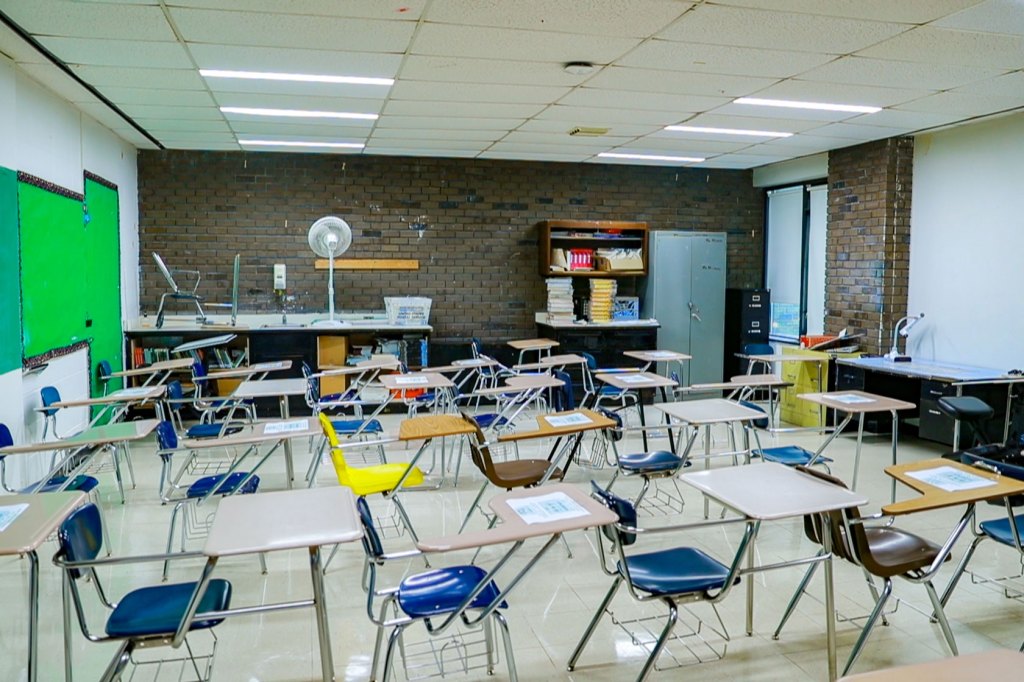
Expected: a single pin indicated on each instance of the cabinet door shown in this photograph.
(668, 290)
(706, 307)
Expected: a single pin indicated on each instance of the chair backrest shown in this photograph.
(174, 395)
(103, 371)
(49, 395)
(623, 508)
(166, 438)
(478, 451)
(614, 433)
(758, 349)
(312, 386)
(337, 454)
(758, 423)
(591, 360)
(476, 347)
(6, 439)
(371, 538)
(563, 397)
(80, 536)
(840, 545)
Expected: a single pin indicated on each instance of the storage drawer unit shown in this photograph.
(746, 321)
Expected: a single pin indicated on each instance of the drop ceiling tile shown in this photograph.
(410, 134)
(639, 162)
(897, 74)
(564, 140)
(84, 20)
(476, 92)
(276, 127)
(771, 30)
(906, 11)
(310, 103)
(129, 77)
(677, 82)
(846, 93)
(460, 109)
(434, 153)
(195, 136)
(203, 145)
(184, 113)
(56, 81)
(172, 125)
(639, 18)
(694, 145)
(322, 137)
(739, 162)
(181, 98)
(445, 122)
(287, 60)
(289, 89)
(607, 117)
(496, 71)
(946, 46)
(992, 16)
(751, 121)
(118, 52)
(738, 61)
(910, 120)
(535, 148)
(533, 156)
(538, 125)
(798, 145)
(963, 103)
(861, 133)
(684, 104)
(407, 10)
(492, 43)
(1008, 85)
(783, 113)
(289, 30)
(464, 145)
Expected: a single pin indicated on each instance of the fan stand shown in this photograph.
(330, 321)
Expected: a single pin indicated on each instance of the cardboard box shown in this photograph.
(618, 263)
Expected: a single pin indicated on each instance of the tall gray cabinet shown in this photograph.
(685, 292)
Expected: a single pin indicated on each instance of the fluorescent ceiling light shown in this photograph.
(298, 113)
(820, 106)
(292, 143)
(726, 131)
(651, 157)
(294, 77)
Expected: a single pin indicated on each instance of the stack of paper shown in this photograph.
(560, 300)
(601, 293)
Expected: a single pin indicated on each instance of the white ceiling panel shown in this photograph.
(407, 10)
(460, 109)
(663, 142)
(263, 128)
(645, 162)
(172, 125)
(118, 52)
(773, 30)
(203, 145)
(752, 122)
(498, 71)
(738, 61)
(592, 17)
(797, 145)
(447, 123)
(677, 82)
(684, 104)
(992, 16)
(128, 77)
(602, 117)
(83, 20)
(783, 113)
(547, 148)
(292, 30)
(1011, 84)
(244, 99)
(540, 125)
(137, 111)
(907, 11)
(910, 120)
(533, 156)
(492, 43)
(476, 92)
(464, 145)
(849, 131)
(963, 103)
(323, 137)
(946, 46)
(289, 89)
(171, 139)
(819, 91)
(287, 60)
(180, 98)
(435, 153)
(737, 162)
(428, 134)
(564, 139)
(896, 74)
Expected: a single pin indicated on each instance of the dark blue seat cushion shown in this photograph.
(203, 486)
(999, 529)
(338, 397)
(158, 610)
(442, 590)
(682, 570)
(82, 484)
(790, 455)
(489, 419)
(656, 461)
(352, 425)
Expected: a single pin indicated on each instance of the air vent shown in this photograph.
(581, 131)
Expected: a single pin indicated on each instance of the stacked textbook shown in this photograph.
(560, 300)
(602, 291)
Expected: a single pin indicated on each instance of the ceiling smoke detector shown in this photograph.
(583, 131)
(578, 68)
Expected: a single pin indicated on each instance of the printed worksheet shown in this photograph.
(850, 399)
(661, 354)
(575, 419)
(9, 512)
(547, 508)
(277, 428)
(951, 480)
(634, 379)
(411, 381)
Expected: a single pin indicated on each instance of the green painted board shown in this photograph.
(10, 282)
(103, 280)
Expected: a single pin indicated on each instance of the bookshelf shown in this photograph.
(612, 248)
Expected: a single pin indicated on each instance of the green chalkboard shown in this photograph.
(103, 279)
(10, 282)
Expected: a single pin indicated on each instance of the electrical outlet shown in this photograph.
(279, 277)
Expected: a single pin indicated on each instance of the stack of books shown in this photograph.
(560, 300)
(602, 291)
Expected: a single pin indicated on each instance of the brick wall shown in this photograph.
(868, 244)
(478, 259)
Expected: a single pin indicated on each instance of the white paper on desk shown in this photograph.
(633, 379)
(850, 399)
(10, 512)
(575, 419)
(275, 428)
(411, 381)
(951, 480)
(547, 508)
(661, 354)
(466, 363)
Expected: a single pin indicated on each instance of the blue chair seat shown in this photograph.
(609, 390)
(656, 461)
(202, 487)
(82, 484)
(158, 610)
(442, 590)
(790, 455)
(348, 426)
(675, 571)
(338, 397)
(490, 419)
(1000, 531)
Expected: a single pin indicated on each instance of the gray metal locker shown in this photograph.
(685, 292)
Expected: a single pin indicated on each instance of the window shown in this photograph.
(795, 259)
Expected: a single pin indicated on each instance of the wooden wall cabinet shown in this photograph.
(594, 235)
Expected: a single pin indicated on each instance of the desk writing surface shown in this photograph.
(522, 384)
(249, 370)
(709, 411)
(636, 380)
(462, 365)
(546, 430)
(401, 382)
(532, 344)
(862, 401)
(512, 528)
(389, 362)
(550, 361)
(253, 434)
(434, 426)
(1000, 665)
(926, 369)
(43, 516)
(758, 380)
(937, 498)
(269, 388)
(162, 366)
(116, 432)
(769, 491)
(287, 519)
(782, 358)
(657, 355)
(208, 342)
(125, 395)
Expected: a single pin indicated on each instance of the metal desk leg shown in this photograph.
(895, 437)
(956, 423)
(323, 629)
(830, 606)
(668, 423)
(707, 460)
(751, 580)
(643, 419)
(289, 465)
(856, 457)
(33, 616)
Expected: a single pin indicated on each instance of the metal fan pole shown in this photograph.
(330, 289)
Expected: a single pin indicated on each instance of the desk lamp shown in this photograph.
(902, 328)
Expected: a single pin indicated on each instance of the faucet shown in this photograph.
(902, 328)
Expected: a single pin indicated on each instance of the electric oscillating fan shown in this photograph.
(329, 237)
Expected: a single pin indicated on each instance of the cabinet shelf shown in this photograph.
(556, 234)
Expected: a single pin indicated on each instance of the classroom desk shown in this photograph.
(119, 401)
(770, 491)
(250, 389)
(996, 664)
(41, 517)
(158, 370)
(558, 425)
(207, 342)
(254, 372)
(552, 362)
(270, 522)
(741, 387)
(463, 370)
(519, 392)
(637, 381)
(252, 436)
(540, 346)
(859, 404)
(650, 357)
(932, 497)
(427, 429)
